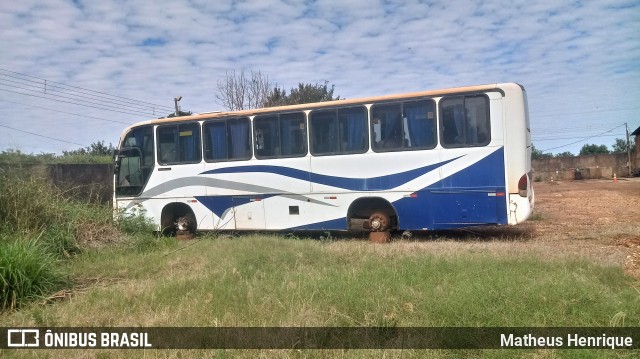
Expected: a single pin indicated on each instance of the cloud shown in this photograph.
(576, 59)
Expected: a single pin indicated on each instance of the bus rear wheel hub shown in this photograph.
(379, 222)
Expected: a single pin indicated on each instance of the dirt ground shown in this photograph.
(600, 216)
(596, 220)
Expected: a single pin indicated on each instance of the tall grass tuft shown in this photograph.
(27, 272)
(39, 225)
(31, 206)
(28, 203)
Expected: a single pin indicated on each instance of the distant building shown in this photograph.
(637, 134)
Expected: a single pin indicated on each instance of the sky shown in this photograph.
(76, 72)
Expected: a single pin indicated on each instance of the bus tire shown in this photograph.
(178, 217)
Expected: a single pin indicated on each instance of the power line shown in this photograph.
(68, 113)
(570, 138)
(55, 90)
(50, 90)
(71, 102)
(584, 139)
(45, 82)
(585, 112)
(54, 97)
(39, 135)
(575, 131)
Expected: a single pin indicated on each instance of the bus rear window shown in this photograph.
(465, 121)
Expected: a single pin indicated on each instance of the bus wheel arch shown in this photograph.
(176, 217)
(372, 214)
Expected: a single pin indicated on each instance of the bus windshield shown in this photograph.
(134, 162)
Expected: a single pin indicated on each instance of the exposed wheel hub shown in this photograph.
(379, 222)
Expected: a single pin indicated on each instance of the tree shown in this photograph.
(304, 93)
(537, 154)
(95, 149)
(592, 149)
(564, 154)
(621, 146)
(240, 92)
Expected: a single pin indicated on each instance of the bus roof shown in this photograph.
(325, 104)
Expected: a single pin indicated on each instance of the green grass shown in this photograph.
(123, 275)
(27, 272)
(266, 280)
(38, 226)
(17, 157)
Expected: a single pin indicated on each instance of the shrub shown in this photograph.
(27, 272)
(32, 207)
(134, 222)
(28, 203)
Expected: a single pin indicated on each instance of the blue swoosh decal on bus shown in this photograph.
(380, 183)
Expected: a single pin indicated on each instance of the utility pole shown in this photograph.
(628, 149)
(178, 98)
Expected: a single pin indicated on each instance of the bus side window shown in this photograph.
(167, 151)
(239, 135)
(293, 135)
(179, 144)
(387, 127)
(353, 130)
(419, 122)
(465, 121)
(267, 139)
(215, 141)
(323, 132)
(189, 142)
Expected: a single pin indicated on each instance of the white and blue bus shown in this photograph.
(429, 160)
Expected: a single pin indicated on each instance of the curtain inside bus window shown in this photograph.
(391, 129)
(239, 133)
(189, 142)
(138, 134)
(419, 125)
(477, 120)
(324, 131)
(267, 142)
(216, 134)
(286, 137)
(147, 149)
(167, 141)
(292, 134)
(458, 122)
(465, 121)
(471, 122)
(353, 124)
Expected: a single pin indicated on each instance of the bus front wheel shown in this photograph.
(178, 219)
